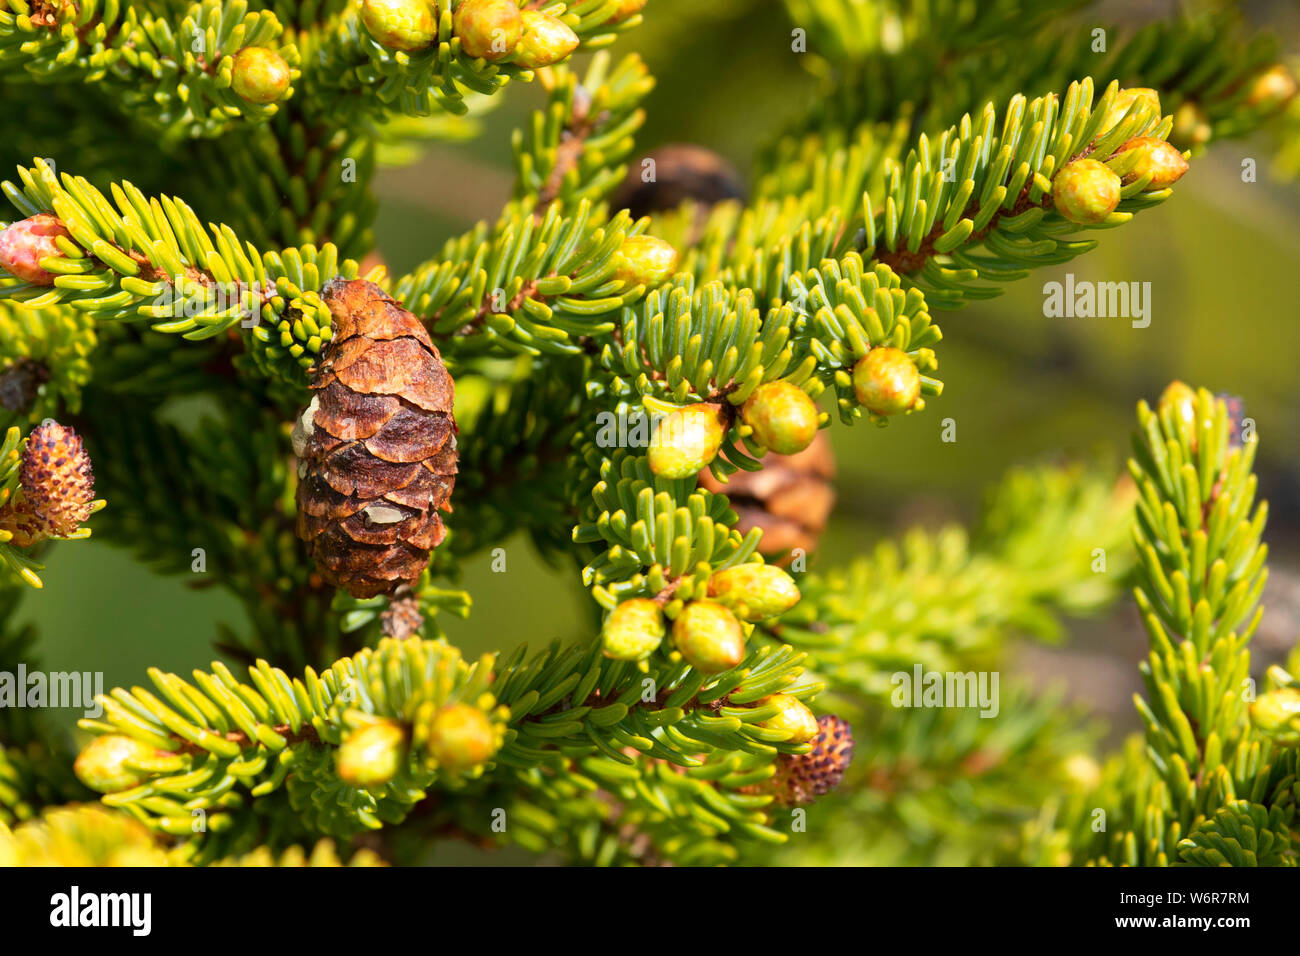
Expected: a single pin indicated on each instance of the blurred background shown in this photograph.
(1022, 388)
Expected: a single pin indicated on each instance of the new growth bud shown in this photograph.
(1277, 714)
(1272, 89)
(105, 765)
(461, 737)
(1086, 191)
(1179, 399)
(783, 417)
(488, 29)
(627, 9)
(1156, 158)
(644, 260)
(754, 591)
(1191, 126)
(887, 381)
(371, 756)
(24, 244)
(633, 631)
(406, 25)
(709, 637)
(687, 439)
(260, 75)
(546, 40)
(1126, 98)
(792, 717)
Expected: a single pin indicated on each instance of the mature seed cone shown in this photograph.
(377, 445)
(789, 499)
(802, 778)
(57, 486)
(681, 172)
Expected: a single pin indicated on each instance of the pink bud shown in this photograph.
(24, 244)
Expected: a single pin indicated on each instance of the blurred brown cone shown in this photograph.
(680, 172)
(790, 499)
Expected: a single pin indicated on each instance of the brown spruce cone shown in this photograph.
(57, 486)
(802, 778)
(789, 499)
(681, 172)
(377, 445)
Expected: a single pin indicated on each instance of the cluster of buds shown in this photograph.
(460, 737)
(56, 487)
(1087, 191)
(710, 632)
(779, 415)
(492, 30)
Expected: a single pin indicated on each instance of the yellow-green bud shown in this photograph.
(461, 737)
(103, 765)
(1274, 87)
(783, 417)
(1082, 770)
(644, 260)
(1086, 191)
(709, 637)
(1124, 99)
(371, 756)
(1277, 714)
(633, 631)
(887, 381)
(754, 591)
(1159, 159)
(687, 439)
(545, 40)
(1191, 126)
(488, 29)
(407, 25)
(260, 75)
(626, 9)
(793, 716)
(1180, 398)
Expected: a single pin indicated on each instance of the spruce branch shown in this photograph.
(178, 72)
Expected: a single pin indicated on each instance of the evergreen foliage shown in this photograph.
(946, 156)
